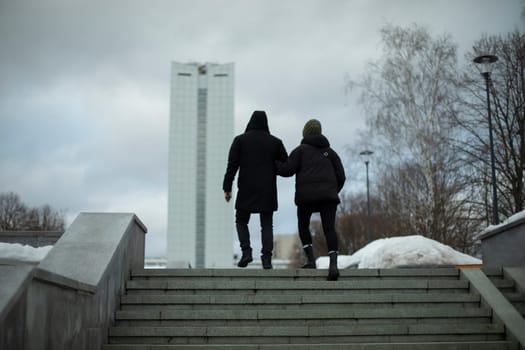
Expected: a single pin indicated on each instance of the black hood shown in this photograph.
(258, 121)
(318, 141)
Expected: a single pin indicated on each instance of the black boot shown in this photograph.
(266, 262)
(310, 259)
(333, 271)
(246, 258)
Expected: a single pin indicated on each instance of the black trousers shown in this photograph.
(242, 218)
(327, 211)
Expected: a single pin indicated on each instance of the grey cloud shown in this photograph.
(84, 94)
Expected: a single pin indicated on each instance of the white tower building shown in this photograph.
(200, 222)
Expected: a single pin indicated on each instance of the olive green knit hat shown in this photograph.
(312, 127)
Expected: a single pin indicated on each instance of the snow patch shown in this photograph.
(401, 251)
(518, 216)
(15, 252)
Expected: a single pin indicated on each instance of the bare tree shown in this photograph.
(410, 96)
(12, 211)
(16, 216)
(507, 96)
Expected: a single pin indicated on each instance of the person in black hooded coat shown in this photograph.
(319, 176)
(254, 154)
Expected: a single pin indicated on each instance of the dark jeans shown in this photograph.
(327, 211)
(242, 217)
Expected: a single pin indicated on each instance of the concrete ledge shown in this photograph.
(501, 307)
(80, 258)
(72, 299)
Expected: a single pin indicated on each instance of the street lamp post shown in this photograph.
(366, 157)
(485, 62)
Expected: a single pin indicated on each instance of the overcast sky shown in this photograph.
(84, 86)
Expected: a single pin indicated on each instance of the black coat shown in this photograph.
(254, 154)
(318, 169)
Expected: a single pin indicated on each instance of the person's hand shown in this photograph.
(227, 196)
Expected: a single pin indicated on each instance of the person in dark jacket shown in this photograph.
(319, 176)
(254, 154)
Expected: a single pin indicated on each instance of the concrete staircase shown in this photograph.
(298, 309)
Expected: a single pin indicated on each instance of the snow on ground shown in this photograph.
(13, 252)
(401, 251)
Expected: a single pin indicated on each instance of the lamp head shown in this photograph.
(484, 63)
(365, 155)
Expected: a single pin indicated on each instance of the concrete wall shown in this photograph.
(72, 297)
(502, 245)
(14, 283)
(33, 238)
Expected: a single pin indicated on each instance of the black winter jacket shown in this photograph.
(319, 172)
(254, 154)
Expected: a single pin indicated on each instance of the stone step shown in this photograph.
(293, 285)
(298, 299)
(467, 345)
(504, 284)
(290, 308)
(285, 322)
(307, 331)
(498, 278)
(170, 274)
(302, 334)
(517, 300)
(515, 296)
(286, 318)
(414, 312)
